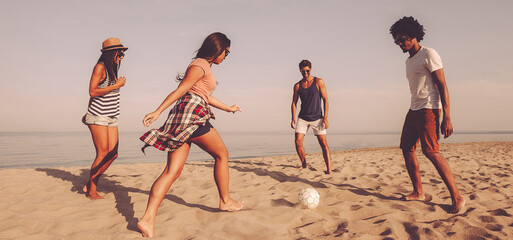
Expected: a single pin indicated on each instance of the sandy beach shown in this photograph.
(361, 199)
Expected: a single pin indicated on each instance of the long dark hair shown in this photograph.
(108, 60)
(213, 46)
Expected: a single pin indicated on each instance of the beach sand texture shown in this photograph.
(359, 200)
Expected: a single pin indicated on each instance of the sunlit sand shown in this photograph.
(363, 198)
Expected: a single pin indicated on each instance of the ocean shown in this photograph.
(63, 149)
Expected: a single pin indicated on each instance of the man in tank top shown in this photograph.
(311, 90)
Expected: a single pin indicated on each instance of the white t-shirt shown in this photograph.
(424, 93)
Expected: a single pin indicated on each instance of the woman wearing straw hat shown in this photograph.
(188, 122)
(103, 111)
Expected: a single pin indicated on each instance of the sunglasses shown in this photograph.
(401, 40)
(121, 54)
(226, 52)
(305, 71)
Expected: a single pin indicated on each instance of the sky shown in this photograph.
(48, 50)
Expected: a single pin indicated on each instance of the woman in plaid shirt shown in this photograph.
(188, 122)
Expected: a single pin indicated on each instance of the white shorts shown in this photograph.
(302, 126)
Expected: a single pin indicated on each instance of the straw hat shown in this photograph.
(111, 44)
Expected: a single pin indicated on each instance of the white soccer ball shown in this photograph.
(308, 198)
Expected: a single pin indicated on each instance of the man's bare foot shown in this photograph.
(94, 196)
(327, 171)
(231, 205)
(458, 206)
(415, 196)
(303, 166)
(145, 228)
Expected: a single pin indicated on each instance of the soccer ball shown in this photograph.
(308, 198)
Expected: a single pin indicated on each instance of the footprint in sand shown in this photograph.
(494, 227)
(380, 221)
(437, 224)
(429, 233)
(435, 181)
(487, 219)
(400, 207)
(473, 232)
(387, 231)
(500, 212)
(355, 207)
(341, 229)
(472, 196)
(411, 229)
(281, 202)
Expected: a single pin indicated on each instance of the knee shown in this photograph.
(433, 156)
(172, 174)
(407, 151)
(299, 142)
(112, 154)
(222, 156)
(102, 154)
(408, 154)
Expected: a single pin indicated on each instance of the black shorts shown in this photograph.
(202, 130)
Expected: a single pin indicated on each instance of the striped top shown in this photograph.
(105, 105)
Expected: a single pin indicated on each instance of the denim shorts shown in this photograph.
(90, 119)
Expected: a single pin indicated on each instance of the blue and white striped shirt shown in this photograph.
(105, 105)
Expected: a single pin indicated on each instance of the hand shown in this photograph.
(293, 124)
(325, 123)
(150, 118)
(121, 81)
(447, 128)
(233, 109)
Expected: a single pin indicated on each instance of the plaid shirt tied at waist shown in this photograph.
(189, 113)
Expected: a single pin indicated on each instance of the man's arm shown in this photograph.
(439, 80)
(324, 95)
(294, 105)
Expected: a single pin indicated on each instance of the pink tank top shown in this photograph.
(207, 83)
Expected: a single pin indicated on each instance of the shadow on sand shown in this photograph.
(124, 203)
(278, 176)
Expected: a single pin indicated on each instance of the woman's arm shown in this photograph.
(220, 105)
(97, 76)
(193, 75)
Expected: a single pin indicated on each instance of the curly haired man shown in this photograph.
(429, 95)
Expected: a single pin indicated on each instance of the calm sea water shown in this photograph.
(29, 150)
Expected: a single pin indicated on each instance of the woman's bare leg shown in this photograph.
(212, 143)
(105, 141)
(175, 163)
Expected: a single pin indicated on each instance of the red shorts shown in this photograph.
(423, 125)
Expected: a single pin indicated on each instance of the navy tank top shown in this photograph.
(310, 102)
